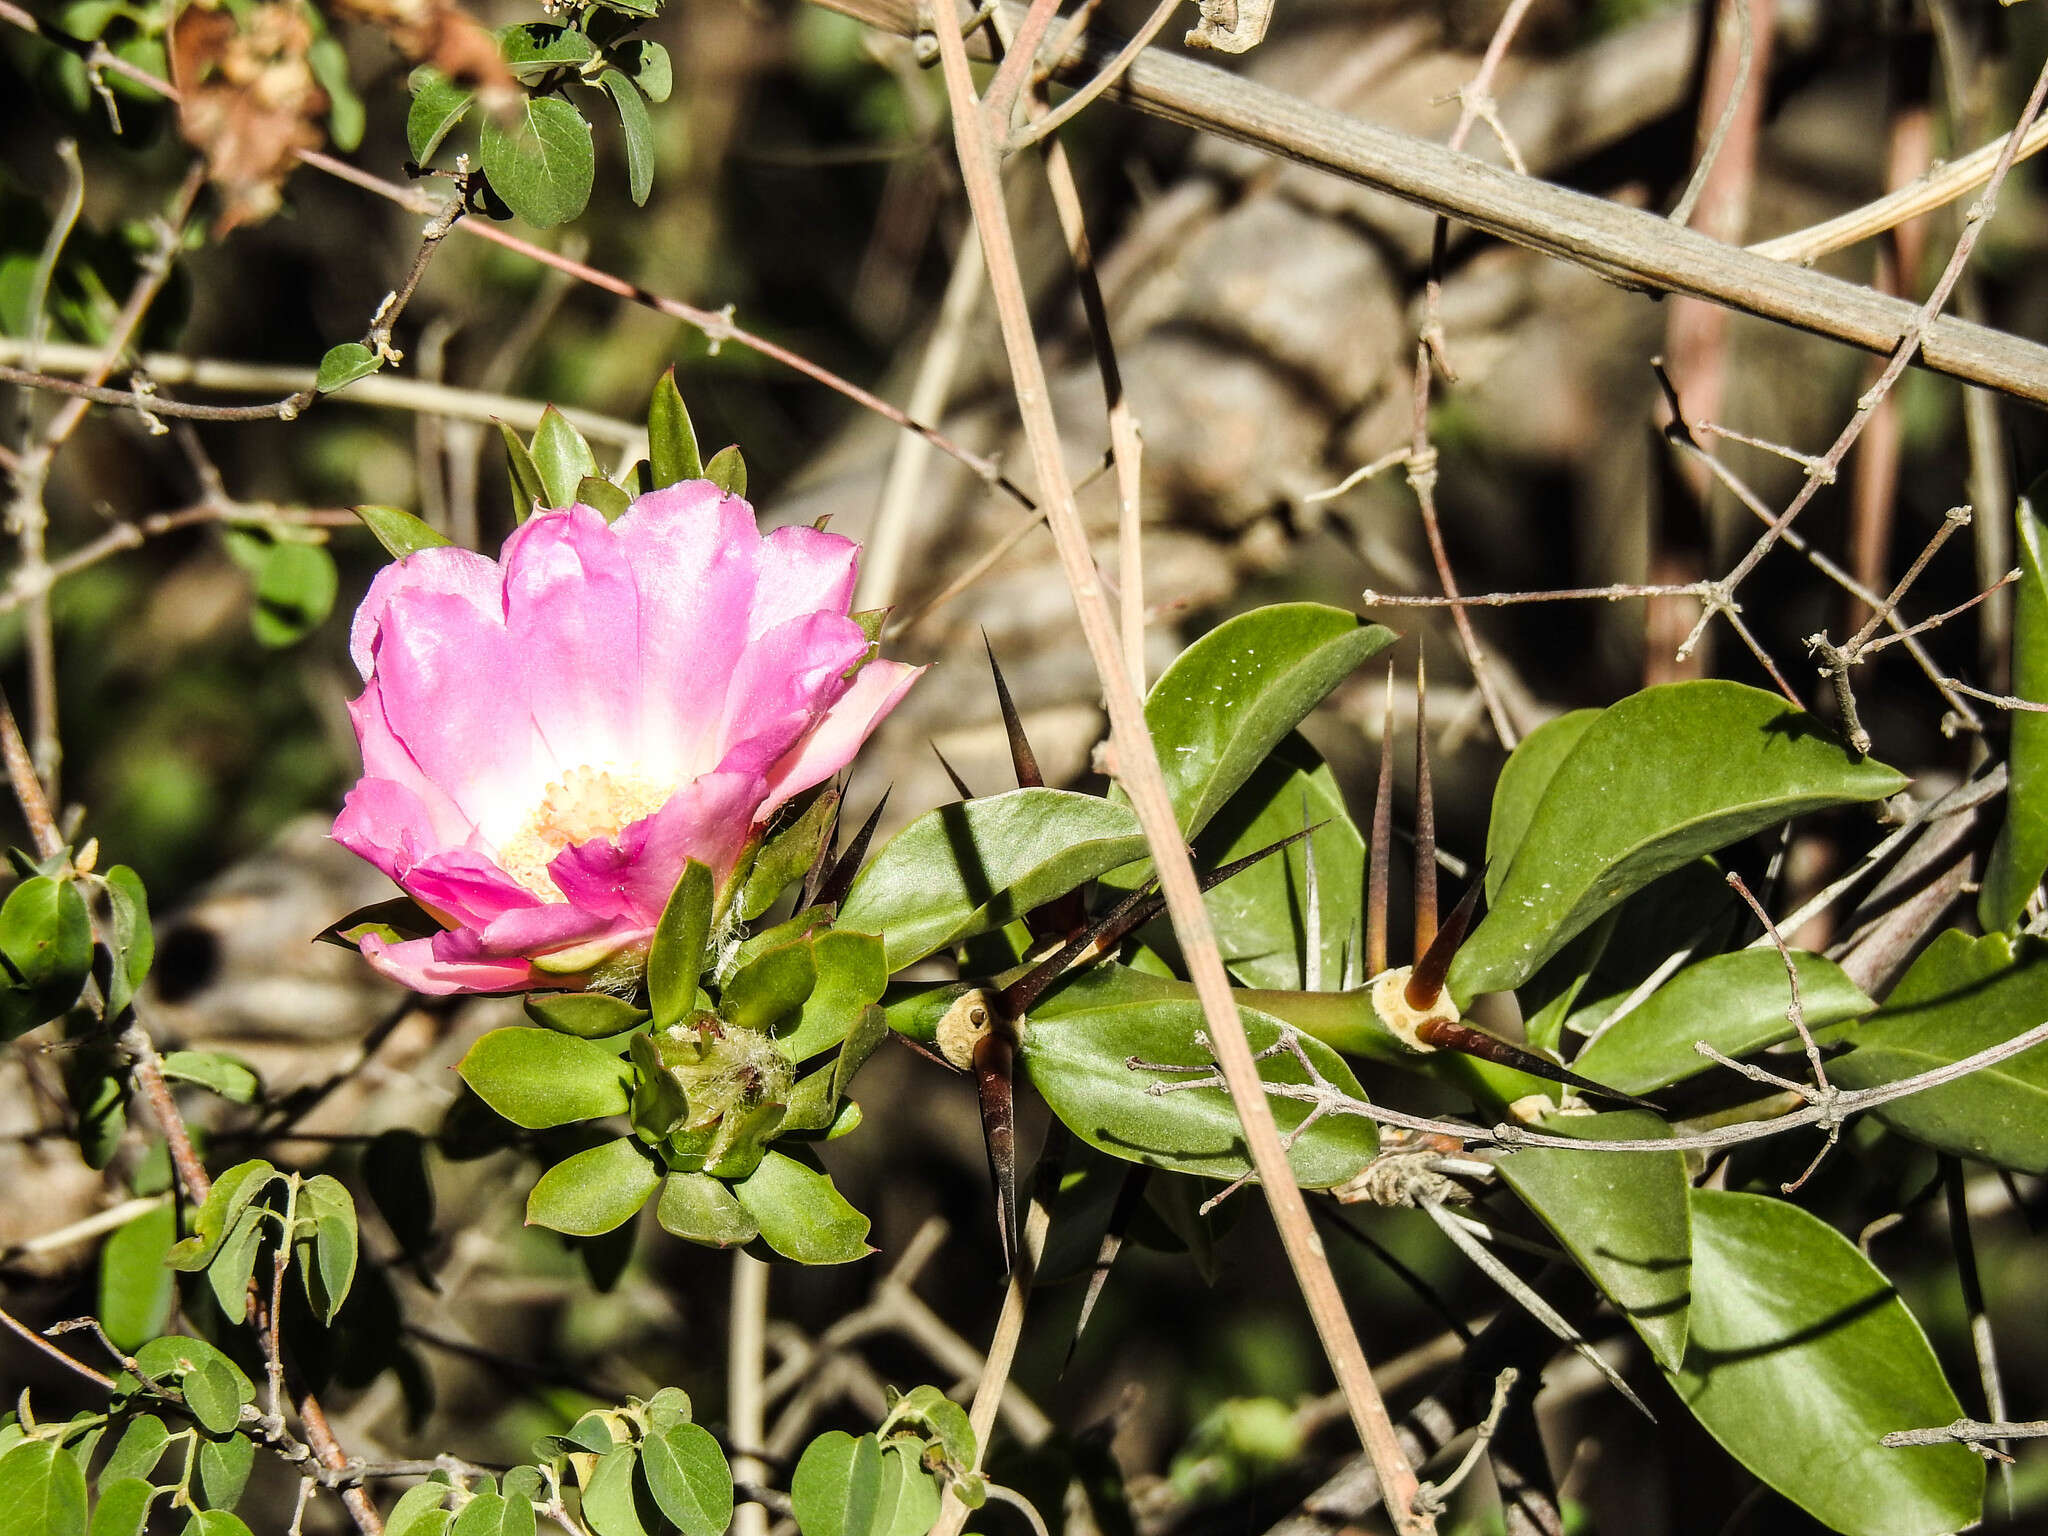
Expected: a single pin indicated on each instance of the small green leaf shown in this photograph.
(438, 104)
(638, 128)
(139, 1449)
(123, 1507)
(971, 867)
(671, 440)
(789, 853)
(596, 491)
(419, 1511)
(801, 1214)
(1516, 794)
(1659, 779)
(1736, 1003)
(136, 1286)
(669, 1406)
(544, 165)
(345, 116)
(836, 1488)
(230, 1196)
(594, 1191)
(96, 1083)
(400, 532)
(224, 1467)
(675, 960)
(215, 1387)
(562, 458)
(852, 972)
(537, 1078)
(1233, 695)
(536, 49)
(771, 986)
(492, 1514)
(1801, 1357)
(689, 1478)
(527, 490)
(611, 1501)
(217, 1072)
(2020, 856)
(327, 1242)
(42, 1490)
(294, 593)
(587, 1015)
(648, 64)
(46, 946)
(215, 1522)
(234, 1263)
(132, 942)
(728, 470)
(700, 1209)
(343, 365)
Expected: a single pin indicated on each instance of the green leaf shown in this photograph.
(1736, 1003)
(96, 1083)
(945, 1420)
(1523, 779)
(1258, 914)
(638, 128)
(216, 1072)
(770, 986)
(138, 1451)
(971, 867)
(1233, 696)
(400, 532)
(587, 1015)
(648, 63)
(836, 1488)
(789, 852)
(224, 1467)
(327, 1242)
(611, 1502)
(42, 1489)
(2020, 856)
(230, 1196)
(669, 1406)
(123, 1508)
(596, 491)
(801, 1214)
(1622, 1216)
(492, 1514)
(1962, 996)
(675, 960)
(438, 104)
(728, 470)
(234, 1263)
(215, 1522)
(136, 1286)
(343, 365)
(132, 941)
(1660, 778)
(536, 49)
(561, 457)
(294, 592)
(345, 116)
(419, 1511)
(543, 167)
(527, 490)
(671, 439)
(594, 1191)
(1076, 1049)
(1801, 1357)
(46, 944)
(537, 1078)
(689, 1478)
(700, 1209)
(215, 1387)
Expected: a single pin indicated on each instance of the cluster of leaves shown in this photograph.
(889, 1482)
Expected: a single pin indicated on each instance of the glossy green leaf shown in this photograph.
(217, 1072)
(700, 1209)
(727, 470)
(438, 104)
(637, 126)
(2020, 856)
(676, 959)
(648, 63)
(539, 1078)
(688, 1475)
(561, 457)
(294, 593)
(123, 1507)
(1233, 696)
(1622, 1216)
(543, 165)
(587, 1015)
(139, 1449)
(235, 1263)
(671, 439)
(1801, 1357)
(971, 867)
(1523, 779)
(1076, 1049)
(224, 1467)
(215, 1388)
(594, 1191)
(1659, 779)
(1736, 1003)
(400, 532)
(492, 1514)
(1962, 996)
(847, 1486)
(596, 491)
(1259, 914)
(527, 490)
(419, 1511)
(536, 49)
(327, 1243)
(343, 365)
(225, 1203)
(611, 1499)
(852, 972)
(136, 1286)
(46, 942)
(42, 1490)
(801, 1214)
(790, 852)
(132, 941)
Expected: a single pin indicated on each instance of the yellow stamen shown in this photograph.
(583, 804)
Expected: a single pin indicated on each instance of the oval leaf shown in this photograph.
(400, 532)
(438, 104)
(42, 1487)
(1523, 778)
(638, 127)
(343, 365)
(595, 1190)
(538, 1078)
(136, 1285)
(543, 165)
(688, 1475)
(676, 958)
(700, 1209)
(801, 1213)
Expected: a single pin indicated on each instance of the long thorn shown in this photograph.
(1312, 909)
(1425, 822)
(1467, 1041)
(1426, 981)
(995, 1064)
(821, 867)
(1021, 755)
(959, 784)
(837, 883)
(1379, 867)
(1128, 1197)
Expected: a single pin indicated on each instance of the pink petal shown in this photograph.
(537, 929)
(419, 964)
(445, 568)
(801, 571)
(439, 820)
(384, 822)
(466, 886)
(787, 679)
(572, 613)
(877, 689)
(630, 877)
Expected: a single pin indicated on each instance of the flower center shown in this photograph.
(582, 805)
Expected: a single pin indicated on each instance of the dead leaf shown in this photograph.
(436, 32)
(248, 101)
(1231, 26)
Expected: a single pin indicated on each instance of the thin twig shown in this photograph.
(745, 1364)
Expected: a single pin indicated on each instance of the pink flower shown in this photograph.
(548, 737)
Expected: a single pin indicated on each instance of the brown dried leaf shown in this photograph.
(436, 32)
(1231, 26)
(248, 101)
